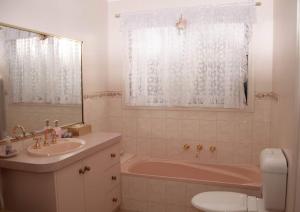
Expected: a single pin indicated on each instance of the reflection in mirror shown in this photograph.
(40, 78)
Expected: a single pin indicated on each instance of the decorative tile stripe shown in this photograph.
(102, 94)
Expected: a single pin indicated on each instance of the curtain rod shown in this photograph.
(118, 15)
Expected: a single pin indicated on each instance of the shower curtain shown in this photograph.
(2, 109)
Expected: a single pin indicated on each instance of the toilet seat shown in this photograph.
(219, 201)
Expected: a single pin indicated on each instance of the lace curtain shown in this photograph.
(43, 70)
(203, 65)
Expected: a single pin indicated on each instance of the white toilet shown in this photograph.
(273, 166)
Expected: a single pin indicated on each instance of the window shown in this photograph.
(203, 65)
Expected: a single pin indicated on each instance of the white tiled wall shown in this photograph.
(95, 113)
(238, 136)
(143, 194)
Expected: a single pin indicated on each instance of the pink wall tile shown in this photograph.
(143, 128)
(158, 148)
(262, 110)
(173, 114)
(137, 188)
(176, 208)
(244, 131)
(134, 205)
(226, 152)
(189, 129)
(129, 127)
(162, 133)
(156, 207)
(129, 144)
(143, 146)
(157, 128)
(227, 131)
(172, 128)
(156, 190)
(175, 193)
(261, 132)
(158, 114)
(243, 153)
(207, 130)
(207, 116)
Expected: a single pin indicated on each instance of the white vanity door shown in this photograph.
(90, 190)
(93, 183)
(70, 189)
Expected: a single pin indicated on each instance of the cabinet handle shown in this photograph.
(112, 155)
(81, 171)
(115, 199)
(87, 168)
(113, 177)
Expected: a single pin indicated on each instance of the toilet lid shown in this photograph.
(218, 201)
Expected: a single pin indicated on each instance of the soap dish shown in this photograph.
(3, 155)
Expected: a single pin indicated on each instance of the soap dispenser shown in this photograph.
(9, 151)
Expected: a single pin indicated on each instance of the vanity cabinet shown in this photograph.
(85, 185)
(91, 184)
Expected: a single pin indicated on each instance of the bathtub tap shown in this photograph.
(199, 147)
(186, 146)
(212, 149)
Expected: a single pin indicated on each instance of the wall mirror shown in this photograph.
(40, 79)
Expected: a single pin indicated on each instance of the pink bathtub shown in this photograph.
(238, 177)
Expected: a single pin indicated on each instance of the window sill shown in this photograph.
(247, 109)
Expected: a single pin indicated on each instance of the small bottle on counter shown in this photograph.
(47, 124)
(8, 147)
(58, 130)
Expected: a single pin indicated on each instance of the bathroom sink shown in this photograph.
(63, 146)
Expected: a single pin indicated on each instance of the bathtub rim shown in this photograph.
(133, 159)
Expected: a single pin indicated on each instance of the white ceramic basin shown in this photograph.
(63, 146)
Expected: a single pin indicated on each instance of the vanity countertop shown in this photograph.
(94, 143)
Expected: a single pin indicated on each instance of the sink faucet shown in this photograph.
(37, 140)
(14, 131)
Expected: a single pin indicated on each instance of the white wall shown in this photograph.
(285, 113)
(82, 20)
